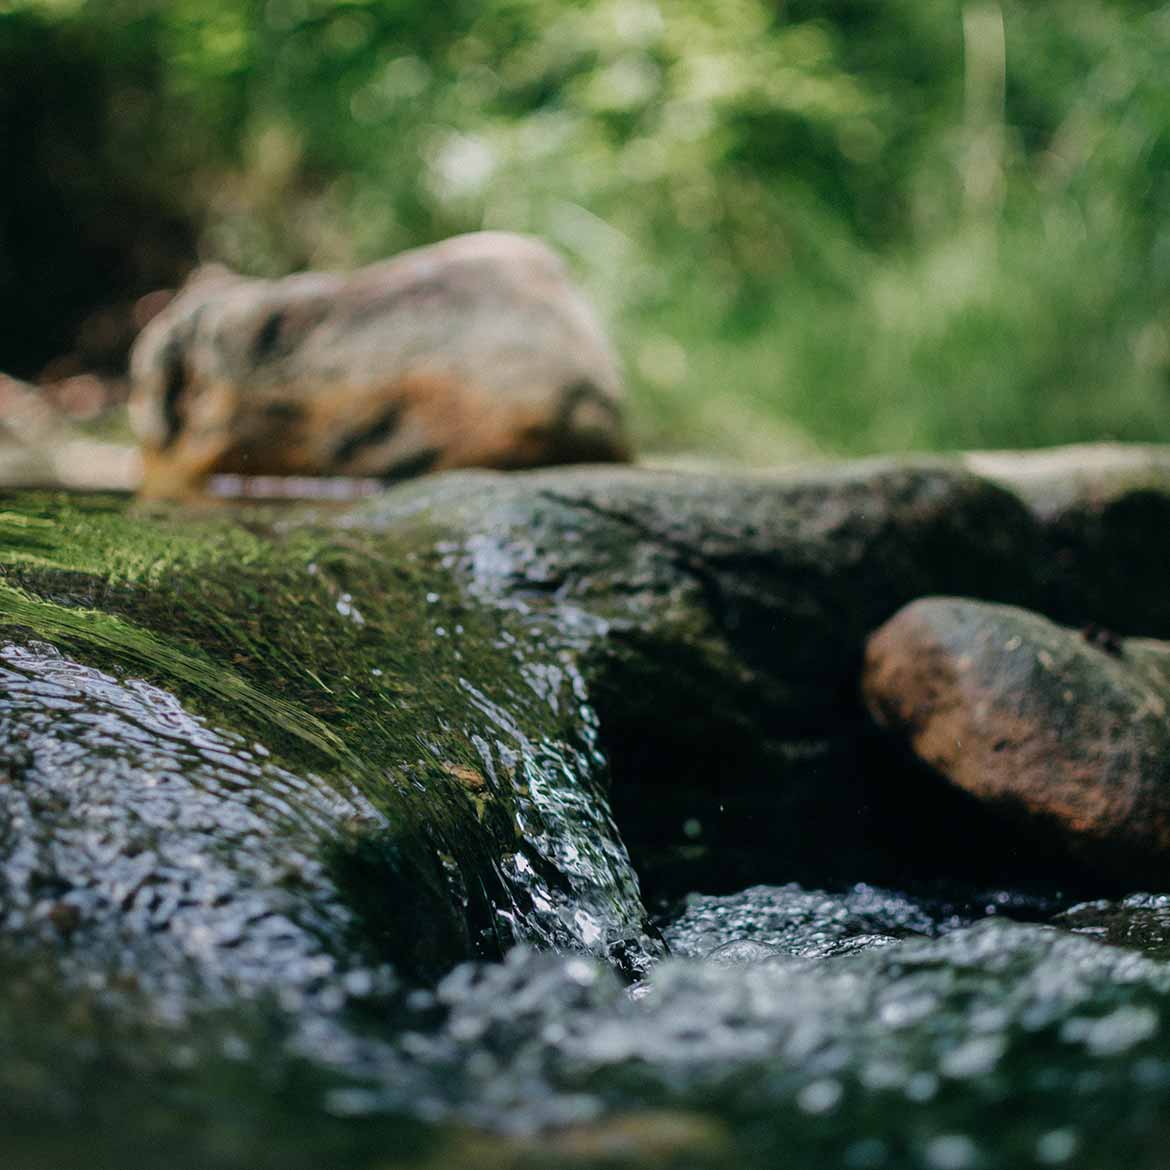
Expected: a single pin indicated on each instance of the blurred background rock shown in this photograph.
(820, 227)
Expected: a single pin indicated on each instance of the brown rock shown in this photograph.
(1068, 732)
(474, 352)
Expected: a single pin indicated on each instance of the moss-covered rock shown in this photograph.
(352, 699)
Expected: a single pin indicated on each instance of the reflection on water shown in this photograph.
(134, 827)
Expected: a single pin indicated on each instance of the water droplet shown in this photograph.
(1056, 1146)
(951, 1151)
(820, 1096)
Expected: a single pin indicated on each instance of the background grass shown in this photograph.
(847, 226)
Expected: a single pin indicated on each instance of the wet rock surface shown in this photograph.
(1065, 730)
(130, 826)
(281, 789)
(719, 625)
(1139, 921)
(480, 817)
(1097, 507)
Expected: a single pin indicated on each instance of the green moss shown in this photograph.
(111, 638)
(353, 657)
(325, 636)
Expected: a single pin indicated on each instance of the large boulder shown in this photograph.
(509, 697)
(719, 623)
(476, 352)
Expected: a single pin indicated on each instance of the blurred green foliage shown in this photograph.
(846, 225)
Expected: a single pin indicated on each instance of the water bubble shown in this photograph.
(975, 1058)
(740, 950)
(352, 1102)
(1056, 1146)
(235, 1047)
(951, 1151)
(921, 1087)
(346, 608)
(581, 972)
(1114, 1033)
(820, 1096)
